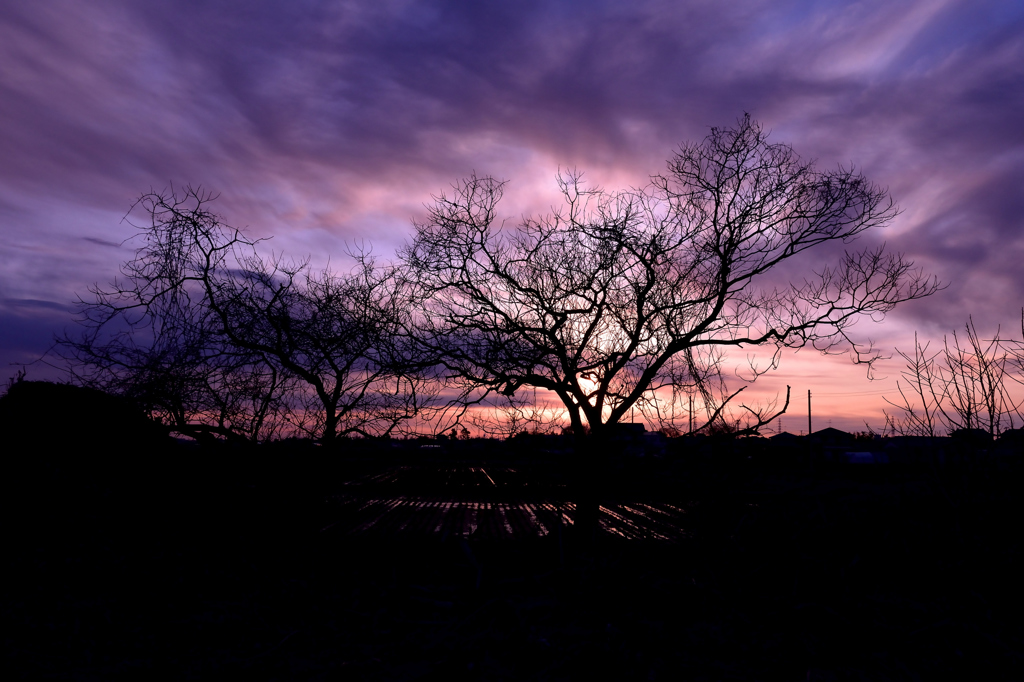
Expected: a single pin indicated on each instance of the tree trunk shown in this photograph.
(330, 434)
(592, 453)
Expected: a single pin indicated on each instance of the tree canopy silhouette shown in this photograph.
(963, 387)
(629, 299)
(216, 339)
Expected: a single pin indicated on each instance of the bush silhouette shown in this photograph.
(45, 413)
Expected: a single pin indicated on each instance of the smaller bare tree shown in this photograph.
(921, 395)
(223, 340)
(963, 386)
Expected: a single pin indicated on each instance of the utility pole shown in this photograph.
(691, 414)
(810, 446)
(808, 412)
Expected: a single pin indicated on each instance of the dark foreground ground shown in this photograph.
(192, 564)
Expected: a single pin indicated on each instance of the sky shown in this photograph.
(329, 125)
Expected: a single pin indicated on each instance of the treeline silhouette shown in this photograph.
(618, 306)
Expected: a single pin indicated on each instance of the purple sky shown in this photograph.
(326, 123)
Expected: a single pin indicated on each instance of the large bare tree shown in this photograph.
(630, 299)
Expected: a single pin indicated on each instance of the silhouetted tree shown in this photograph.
(224, 340)
(630, 299)
(963, 387)
(173, 362)
(44, 419)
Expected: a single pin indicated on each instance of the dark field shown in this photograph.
(293, 563)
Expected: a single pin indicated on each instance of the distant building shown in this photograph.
(832, 437)
(785, 438)
(637, 441)
(1012, 436)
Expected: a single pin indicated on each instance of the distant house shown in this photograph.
(1011, 439)
(637, 441)
(1012, 436)
(916, 449)
(972, 436)
(785, 438)
(655, 443)
(832, 437)
(626, 430)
